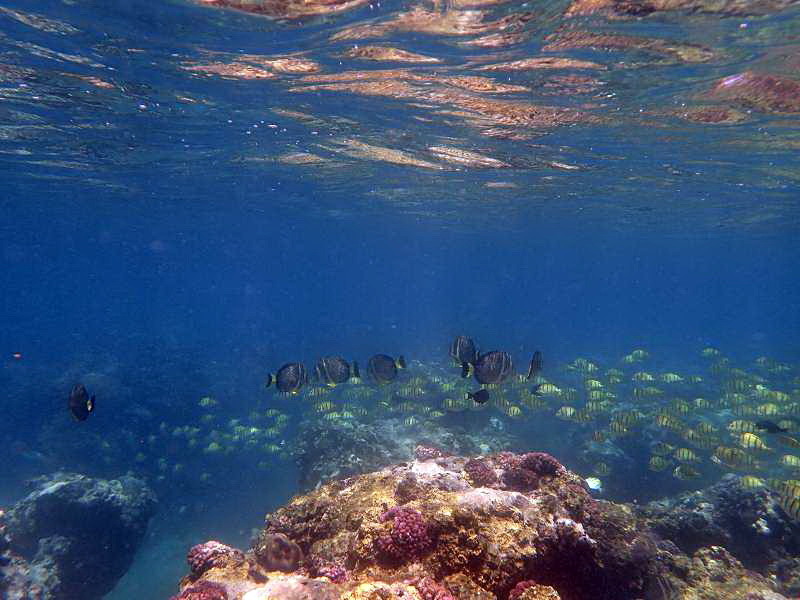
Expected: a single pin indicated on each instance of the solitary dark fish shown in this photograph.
(80, 404)
(536, 365)
(463, 350)
(383, 369)
(290, 378)
(770, 427)
(480, 397)
(332, 370)
(492, 367)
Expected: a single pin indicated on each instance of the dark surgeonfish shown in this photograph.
(480, 397)
(290, 378)
(383, 369)
(333, 370)
(80, 403)
(492, 367)
(770, 427)
(463, 350)
(536, 365)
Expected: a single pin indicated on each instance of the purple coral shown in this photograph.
(519, 479)
(409, 537)
(520, 588)
(541, 463)
(430, 590)
(428, 452)
(210, 554)
(480, 473)
(203, 590)
(335, 571)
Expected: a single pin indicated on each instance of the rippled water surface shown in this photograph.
(462, 111)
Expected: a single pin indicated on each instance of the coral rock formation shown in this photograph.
(73, 537)
(446, 538)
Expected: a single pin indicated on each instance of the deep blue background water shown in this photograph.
(160, 242)
(239, 282)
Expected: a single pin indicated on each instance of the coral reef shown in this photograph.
(203, 590)
(457, 541)
(530, 590)
(408, 538)
(747, 522)
(430, 590)
(428, 452)
(331, 449)
(276, 552)
(480, 473)
(73, 537)
(212, 554)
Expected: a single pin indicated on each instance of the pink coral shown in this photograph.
(520, 480)
(335, 571)
(541, 463)
(518, 589)
(203, 590)
(507, 460)
(208, 555)
(430, 590)
(409, 537)
(480, 473)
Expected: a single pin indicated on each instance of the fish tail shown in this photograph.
(270, 380)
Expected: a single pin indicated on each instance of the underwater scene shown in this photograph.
(400, 300)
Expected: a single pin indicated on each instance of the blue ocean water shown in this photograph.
(175, 225)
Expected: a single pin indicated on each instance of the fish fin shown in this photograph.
(90, 404)
(401, 362)
(466, 370)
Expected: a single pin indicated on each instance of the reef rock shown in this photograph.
(73, 537)
(329, 450)
(747, 522)
(431, 530)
